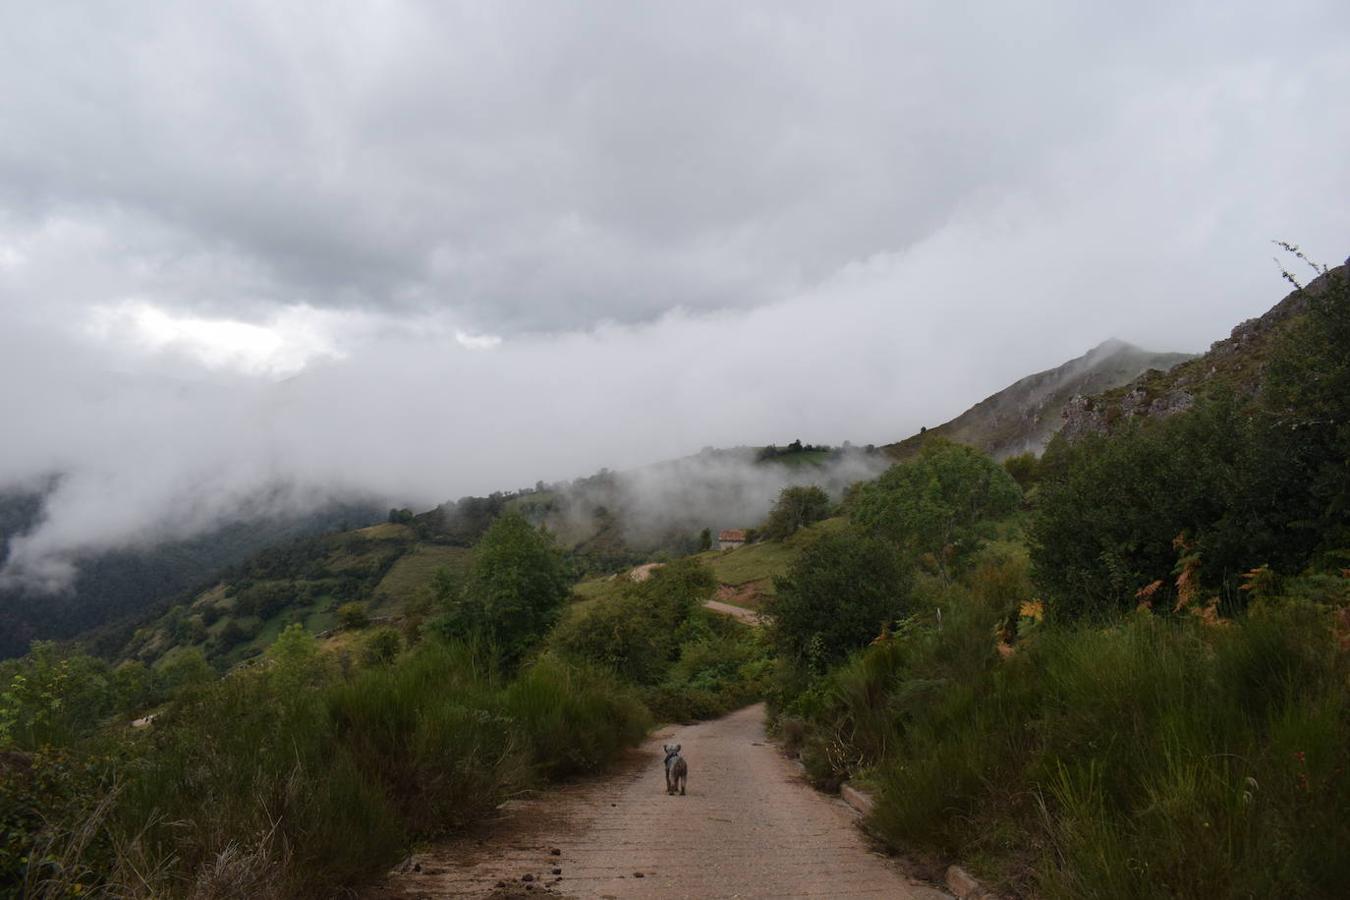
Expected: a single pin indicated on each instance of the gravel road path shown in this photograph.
(749, 827)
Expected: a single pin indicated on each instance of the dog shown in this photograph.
(677, 770)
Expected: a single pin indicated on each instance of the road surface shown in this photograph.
(749, 827)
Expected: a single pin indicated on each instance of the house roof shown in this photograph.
(731, 534)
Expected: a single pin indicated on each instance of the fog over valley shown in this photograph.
(256, 259)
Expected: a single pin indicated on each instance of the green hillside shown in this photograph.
(385, 568)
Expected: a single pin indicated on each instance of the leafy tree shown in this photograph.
(234, 633)
(1241, 483)
(839, 595)
(705, 539)
(514, 591)
(352, 616)
(623, 634)
(295, 663)
(51, 697)
(796, 508)
(381, 647)
(932, 505)
(1024, 468)
(184, 667)
(264, 598)
(134, 685)
(638, 634)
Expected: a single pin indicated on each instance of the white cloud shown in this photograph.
(293, 338)
(248, 246)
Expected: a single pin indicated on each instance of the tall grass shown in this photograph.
(293, 780)
(1151, 758)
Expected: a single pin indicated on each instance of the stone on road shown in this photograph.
(749, 827)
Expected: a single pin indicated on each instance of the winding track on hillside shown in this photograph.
(749, 827)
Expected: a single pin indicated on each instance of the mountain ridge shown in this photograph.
(1024, 416)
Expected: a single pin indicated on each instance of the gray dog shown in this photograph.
(677, 770)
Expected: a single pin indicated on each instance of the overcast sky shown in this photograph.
(431, 249)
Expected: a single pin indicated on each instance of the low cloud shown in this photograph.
(411, 252)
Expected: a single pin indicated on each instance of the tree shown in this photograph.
(932, 506)
(1024, 468)
(638, 633)
(1245, 480)
(705, 539)
(381, 647)
(352, 616)
(839, 594)
(184, 667)
(514, 591)
(796, 507)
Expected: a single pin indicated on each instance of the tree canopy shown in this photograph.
(932, 504)
(514, 590)
(795, 508)
(841, 592)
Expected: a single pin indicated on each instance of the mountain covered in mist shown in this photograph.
(1024, 416)
(1233, 365)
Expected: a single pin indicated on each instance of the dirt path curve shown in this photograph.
(749, 827)
(748, 616)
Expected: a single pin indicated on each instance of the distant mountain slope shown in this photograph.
(124, 586)
(1234, 364)
(1025, 415)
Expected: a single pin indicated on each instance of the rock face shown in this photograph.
(1236, 363)
(1025, 415)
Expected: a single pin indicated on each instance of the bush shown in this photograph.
(637, 633)
(286, 779)
(352, 616)
(932, 507)
(514, 592)
(381, 647)
(841, 592)
(1154, 758)
(623, 635)
(1242, 482)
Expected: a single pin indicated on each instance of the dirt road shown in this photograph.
(748, 616)
(749, 827)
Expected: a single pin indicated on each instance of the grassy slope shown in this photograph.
(383, 566)
(413, 572)
(751, 568)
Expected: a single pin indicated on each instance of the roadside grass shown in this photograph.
(1154, 757)
(293, 779)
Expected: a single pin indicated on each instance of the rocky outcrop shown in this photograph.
(1025, 415)
(1236, 364)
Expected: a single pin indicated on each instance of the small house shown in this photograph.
(730, 538)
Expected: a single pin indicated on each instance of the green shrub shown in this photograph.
(1154, 758)
(932, 506)
(381, 646)
(514, 591)
(842, 591)
(352, 616)
(288, 779)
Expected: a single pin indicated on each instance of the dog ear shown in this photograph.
(665, 747)
(677, 748)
